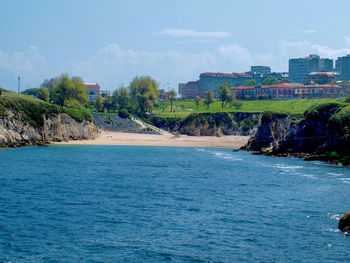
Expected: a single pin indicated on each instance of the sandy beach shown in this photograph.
(120, 138)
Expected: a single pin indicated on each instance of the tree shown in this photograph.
(107, 103)
(224, 93)
(250, 82)
(32, 92)
(144, 91)
(172, 97)
(121, 97)
(270, 81)
(198, 100)
(164, 97)
(44, 94)
(231, 98)
(65, 88)
(99, 103)
(209, 98)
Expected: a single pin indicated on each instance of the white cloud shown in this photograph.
(347, 40)
(175, 32)
(303, 48)
(308, 31)
(112, 65)
(28, 64)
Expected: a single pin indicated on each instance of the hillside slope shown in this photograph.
(28, 121)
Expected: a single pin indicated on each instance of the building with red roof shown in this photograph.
(321, 77)
(189, 90)
(211, 81)
(287, 91)
(94, 90)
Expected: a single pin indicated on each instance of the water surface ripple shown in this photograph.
(163, 204)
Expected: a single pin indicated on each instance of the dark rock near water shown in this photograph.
(320, 135)
(211, 124)
(344, 222)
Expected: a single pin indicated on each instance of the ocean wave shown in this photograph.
(283, 166)
(311, 176)
(334, 230)
(226, 156)
(335, 216)
(334, 174)
(221, 155)
(345, 180)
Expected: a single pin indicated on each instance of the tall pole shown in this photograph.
(19, 84)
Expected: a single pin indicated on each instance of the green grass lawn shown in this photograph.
(10, 94)
(183, 108)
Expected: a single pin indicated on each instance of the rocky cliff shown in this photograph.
(322, 134)
(16, 129)
(211, 124)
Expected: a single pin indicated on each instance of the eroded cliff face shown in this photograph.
(211, 124)
(272, 130)
(17, 130)
(321, 135)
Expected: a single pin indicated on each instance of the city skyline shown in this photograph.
(113, 41)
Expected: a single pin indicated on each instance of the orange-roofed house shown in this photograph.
(93, 90)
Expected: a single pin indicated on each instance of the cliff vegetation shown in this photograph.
(323, 133)
(25, 120)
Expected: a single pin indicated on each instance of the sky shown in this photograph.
(111, 41)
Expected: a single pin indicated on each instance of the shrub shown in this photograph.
(78, 114)
(347, 99)
(321, 110)
(334, 155)
(123, 113)
(237, 104)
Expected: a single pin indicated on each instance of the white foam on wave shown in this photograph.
(221, 155)
(334, 230)
(226, 156)
(311, 176)
(335, 216)
(283, 166)
(334, 174)
(200, 150)
(345, 180)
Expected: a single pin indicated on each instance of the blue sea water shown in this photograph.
(163, 204)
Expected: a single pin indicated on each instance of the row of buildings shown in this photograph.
(288, 91)
(211, 81)
(300, 68)
(309, 76)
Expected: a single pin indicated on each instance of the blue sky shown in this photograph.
(110, 42)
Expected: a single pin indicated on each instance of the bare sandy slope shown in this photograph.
(119, 138)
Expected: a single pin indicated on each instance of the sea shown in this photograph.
(64, 203)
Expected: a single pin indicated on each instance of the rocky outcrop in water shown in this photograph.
(272, 130)
(323, 134)
(344, 222)
(211, 124)
(17, 130)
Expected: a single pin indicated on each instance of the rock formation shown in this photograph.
(344, 222)
(17, 130)
(323, 134)
(211, 124)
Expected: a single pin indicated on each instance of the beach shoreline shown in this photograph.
(134, 139)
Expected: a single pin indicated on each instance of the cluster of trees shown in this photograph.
(271, 80)
(63, 91)
(138, 98)
(225, 96)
